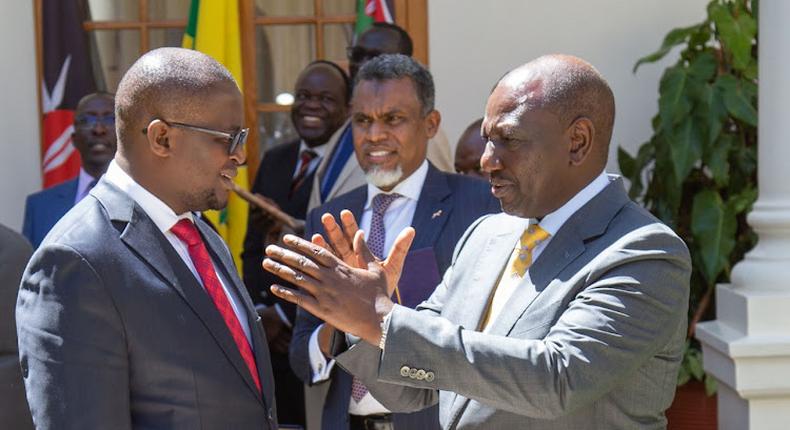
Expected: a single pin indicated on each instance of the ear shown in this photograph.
(432, 121)
(158, 138)
(581, 133)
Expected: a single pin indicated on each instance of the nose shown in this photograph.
(100, 128)
(489, 161)
(377, 131)
(239, 155)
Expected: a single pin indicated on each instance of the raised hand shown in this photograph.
(341, 242)
(351, 299)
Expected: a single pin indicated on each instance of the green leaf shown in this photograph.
(711, 386)
(718, 159)
(673, 38)
(738, 98)
(694, 365)
(743, 201)
(683, 375)
(713, 226)
(673, 103)
(685, 148)
(736, 33)
(711, 110)
(627, 163)
(703, 66)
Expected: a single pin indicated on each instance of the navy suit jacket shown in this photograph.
(448, 204)
(44, 208)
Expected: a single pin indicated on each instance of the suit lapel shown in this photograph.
(260, 348)
(433, 209)
(568, 244)
(142, 236)
(64, 198)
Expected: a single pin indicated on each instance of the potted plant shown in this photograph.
(698, 171)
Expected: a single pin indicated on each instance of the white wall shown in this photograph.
(19, 145)
(472, 43)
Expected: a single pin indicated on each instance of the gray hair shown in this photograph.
(387, 67)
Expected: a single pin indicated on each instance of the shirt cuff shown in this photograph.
(320, 367)
(385, 326)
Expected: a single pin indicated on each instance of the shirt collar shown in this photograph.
(553, 221)
(319, 150)
(409, 187)
(83, 181)
(160, 213)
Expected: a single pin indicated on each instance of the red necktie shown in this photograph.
(188, 233)
(306, 157)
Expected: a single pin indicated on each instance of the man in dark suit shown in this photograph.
(285, 178)
(14, 253)
(94, 139)
(130, 314)
(393, 117)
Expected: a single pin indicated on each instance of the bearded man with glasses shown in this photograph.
(131, 313)
(93, 137)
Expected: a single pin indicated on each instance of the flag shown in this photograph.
(213, 28)
(370, 11)
(67, 77)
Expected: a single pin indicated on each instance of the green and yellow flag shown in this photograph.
(213, 29)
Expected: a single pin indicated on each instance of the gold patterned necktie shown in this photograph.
(531, 238)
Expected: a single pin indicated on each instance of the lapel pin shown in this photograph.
(436, 214)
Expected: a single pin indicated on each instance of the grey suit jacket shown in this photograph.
(116, 332)
(14, 253)
(594, 341)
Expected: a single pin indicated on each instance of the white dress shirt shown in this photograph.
(551, 223)
(83, 185)
(398, 216)
(164, 218)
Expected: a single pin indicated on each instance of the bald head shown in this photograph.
(162, 83)
(569, 87)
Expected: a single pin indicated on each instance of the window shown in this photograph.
(281, 35)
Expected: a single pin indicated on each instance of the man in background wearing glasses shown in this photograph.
(94, 139)
(131, 313)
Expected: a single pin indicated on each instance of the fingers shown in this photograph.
(293, 260)
(362, 251)
(298, 298)
(295, 277)
(315, 253)
(319, 240)
(400, 248)
(349, 224)
(337, 238)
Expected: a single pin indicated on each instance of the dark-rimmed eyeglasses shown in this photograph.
(89, 121)
(235, 140)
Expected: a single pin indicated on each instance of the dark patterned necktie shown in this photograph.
(305, 158)
(376, 237)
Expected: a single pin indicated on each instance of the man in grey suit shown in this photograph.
(567, 312)
(15, 250)
(131, 314)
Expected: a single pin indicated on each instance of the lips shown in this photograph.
(500, 187)
(379, 156)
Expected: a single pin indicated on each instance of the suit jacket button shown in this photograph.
(429, 376)
(24, 367)
(420, 375)
(404, 371)
(413, 373)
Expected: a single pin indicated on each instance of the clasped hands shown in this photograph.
(339, 279)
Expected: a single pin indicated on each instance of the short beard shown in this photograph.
(382, 178)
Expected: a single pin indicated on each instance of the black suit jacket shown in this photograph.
(447, 206)
(116, 332)
(273, 180)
